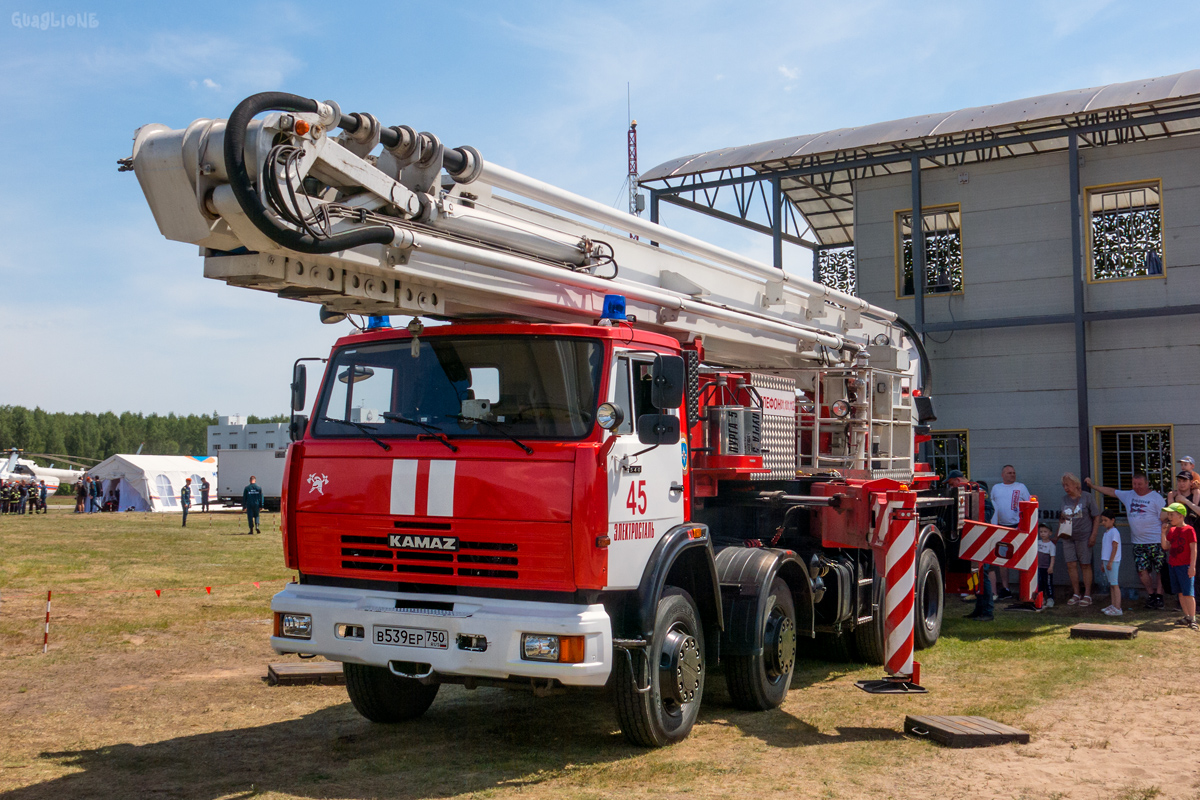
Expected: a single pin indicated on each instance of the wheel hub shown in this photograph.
(780, 645)
(681, 667)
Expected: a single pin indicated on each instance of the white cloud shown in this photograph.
(211, 84)
(791, 73)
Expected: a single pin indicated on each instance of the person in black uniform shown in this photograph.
(252, 501)
(204, 486)
(185, 499)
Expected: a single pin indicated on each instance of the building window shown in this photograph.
(1120, 452)
(1125, 237)
(942, 226)
(216, 447)
(947, 450)
(232, 447)
(254, 445)
(270, 445)
(835, 268)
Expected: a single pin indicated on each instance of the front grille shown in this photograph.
(483, 561)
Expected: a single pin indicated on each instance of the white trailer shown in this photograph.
(234, 468)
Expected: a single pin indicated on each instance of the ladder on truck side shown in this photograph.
(366, 222)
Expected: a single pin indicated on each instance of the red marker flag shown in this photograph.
(256, 584)
(208, 589)
(158, 592)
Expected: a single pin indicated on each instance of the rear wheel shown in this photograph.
(381, 696)
(929, 602)
(666, 713)
(759, 682)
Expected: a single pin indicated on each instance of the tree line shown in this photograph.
(98, 436)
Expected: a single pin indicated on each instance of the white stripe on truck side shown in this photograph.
(441, 489)
(404, 486)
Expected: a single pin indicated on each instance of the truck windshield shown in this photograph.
(533, 387)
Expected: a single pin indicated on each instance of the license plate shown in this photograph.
(411, 637)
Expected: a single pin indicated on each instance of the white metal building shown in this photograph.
(234, 433)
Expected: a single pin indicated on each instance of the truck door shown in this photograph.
(641, 503)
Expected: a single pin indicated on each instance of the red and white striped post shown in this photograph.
(899, 566)
(46, 633)
(900, 558)
(1025, 558)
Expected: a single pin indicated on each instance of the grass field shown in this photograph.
(144, 695)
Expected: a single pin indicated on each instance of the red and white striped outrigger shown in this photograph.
(1011, 548)
(894, 540)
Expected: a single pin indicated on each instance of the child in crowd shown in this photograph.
(1179, 540)
(1046, 553)
(1110, 562)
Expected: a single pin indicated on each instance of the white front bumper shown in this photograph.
(501, 621)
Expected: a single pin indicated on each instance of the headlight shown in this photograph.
(293, 626)
(840, 409)
(548, 647)
(609, 416)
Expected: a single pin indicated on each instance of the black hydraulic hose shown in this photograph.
(247, 197)
(926, 367)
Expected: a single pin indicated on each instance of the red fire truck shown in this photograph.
(589, 459)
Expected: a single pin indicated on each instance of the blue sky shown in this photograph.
(99, 312)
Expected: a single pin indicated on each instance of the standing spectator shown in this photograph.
(22, 498)
(1006, 499)
(94, 496)
(1046, 553)
(1110, 562)
(204, 487)
(1142, 507)
(42, 496)
(252, 501)
(185, 499)
(1179, 542)
(80, 495)
(1083, 513)
(1188, 495)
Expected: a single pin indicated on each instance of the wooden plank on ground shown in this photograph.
(963, 731)
(327, 673)
(1088, 630)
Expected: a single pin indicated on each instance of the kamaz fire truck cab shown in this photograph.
(622, 462)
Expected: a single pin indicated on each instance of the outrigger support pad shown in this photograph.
(890, 685)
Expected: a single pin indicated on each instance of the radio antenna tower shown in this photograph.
(635, 201)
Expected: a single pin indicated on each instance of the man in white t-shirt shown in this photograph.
(1142, 509)
(1006, 500)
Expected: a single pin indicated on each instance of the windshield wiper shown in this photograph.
(496, 427)
(432, 430)
(365, 430)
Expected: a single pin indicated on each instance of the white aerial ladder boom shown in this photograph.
(280, 205)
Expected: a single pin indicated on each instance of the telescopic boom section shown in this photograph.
(382, 220)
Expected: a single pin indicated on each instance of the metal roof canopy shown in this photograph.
(816, 172)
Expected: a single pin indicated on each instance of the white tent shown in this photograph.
(152, 483)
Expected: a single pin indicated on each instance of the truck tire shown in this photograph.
(868, 637)
(930, 601)
(760, 682)
(666, 713)
(381, 696)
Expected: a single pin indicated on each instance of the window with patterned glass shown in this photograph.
(947, 450)
(942, 227)
(835, 269)
(1125, 232)
(1122, 452)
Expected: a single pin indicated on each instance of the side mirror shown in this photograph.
(667, 382)
(297, 427)
(656, 429)
(299, 387)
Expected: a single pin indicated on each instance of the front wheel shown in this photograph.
(760, 682)
(929, 602)
(674, 667)
(381, 696)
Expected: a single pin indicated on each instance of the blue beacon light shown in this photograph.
(614, 308)
(376, 322)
